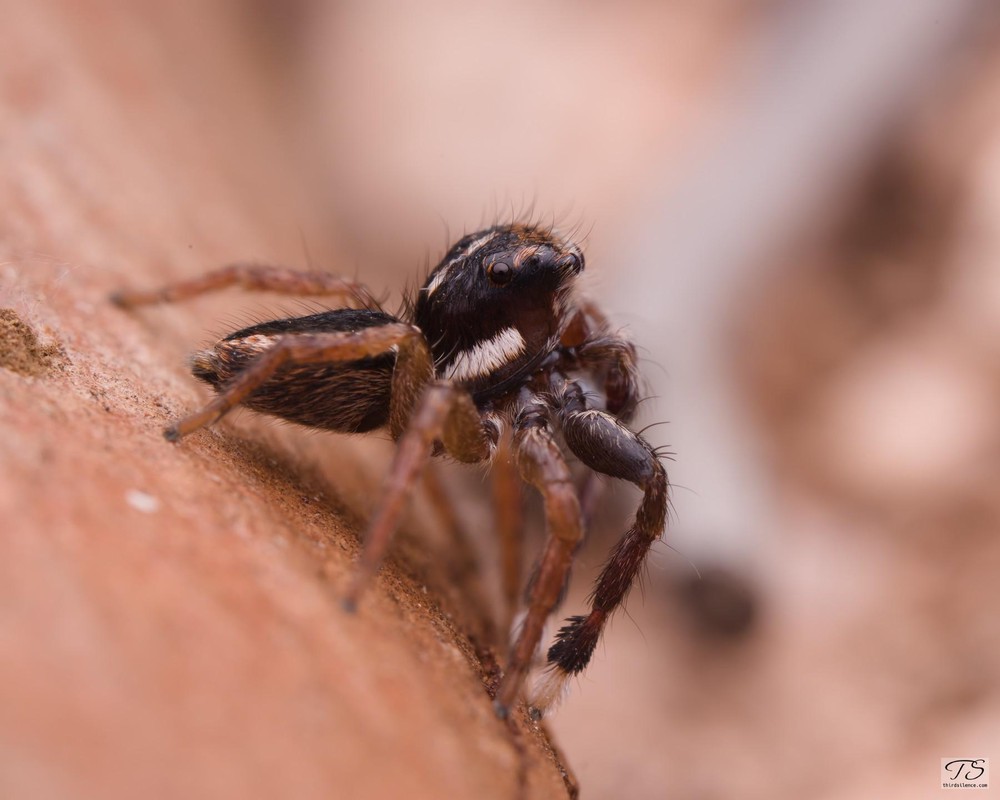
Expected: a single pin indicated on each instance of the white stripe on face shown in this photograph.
(437, 280)
(442, 273)
(485, 357)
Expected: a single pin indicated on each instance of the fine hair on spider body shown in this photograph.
(486, 363)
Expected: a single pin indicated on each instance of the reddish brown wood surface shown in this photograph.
(169, 614)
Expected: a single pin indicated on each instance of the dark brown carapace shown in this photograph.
(495, 358)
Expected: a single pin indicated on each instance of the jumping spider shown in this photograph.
(495, 353)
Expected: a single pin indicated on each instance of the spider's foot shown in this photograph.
(172, 433)
(119, 299)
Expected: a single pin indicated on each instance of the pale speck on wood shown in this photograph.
(141, 501)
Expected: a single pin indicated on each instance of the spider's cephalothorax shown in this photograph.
(495, 356)
(496, 306)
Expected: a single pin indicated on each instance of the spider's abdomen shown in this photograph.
(349, 397)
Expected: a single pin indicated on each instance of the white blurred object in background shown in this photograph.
(820, 91)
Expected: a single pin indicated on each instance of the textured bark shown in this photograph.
(169, 614)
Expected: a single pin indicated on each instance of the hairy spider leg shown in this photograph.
(542, 464)
(463, 567)
(312, 348)
(447, 413)
(509, 514)
(252, 277)
(605, 445)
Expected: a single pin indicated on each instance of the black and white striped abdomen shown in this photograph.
(349, 397)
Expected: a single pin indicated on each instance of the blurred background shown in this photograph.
(794, 208)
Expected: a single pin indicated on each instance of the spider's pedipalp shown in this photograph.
(605, 356)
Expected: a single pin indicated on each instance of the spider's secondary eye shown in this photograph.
(500, 273)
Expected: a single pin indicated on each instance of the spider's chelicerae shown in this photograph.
(495, 354)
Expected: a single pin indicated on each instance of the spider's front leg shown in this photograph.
(606, 445)
(541, 463)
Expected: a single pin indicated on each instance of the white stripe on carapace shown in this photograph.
(442, 272)
(438, 279)
(485, 357)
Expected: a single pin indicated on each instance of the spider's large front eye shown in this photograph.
(500, 273)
